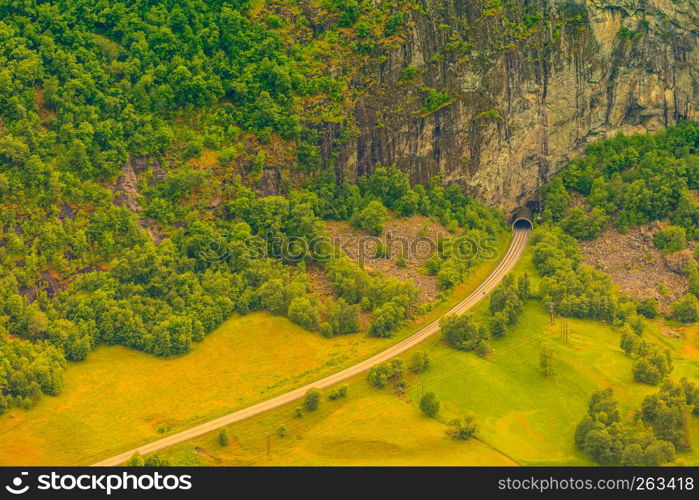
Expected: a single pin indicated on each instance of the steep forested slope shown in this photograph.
(118, 228)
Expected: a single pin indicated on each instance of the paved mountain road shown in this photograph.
(514, 252)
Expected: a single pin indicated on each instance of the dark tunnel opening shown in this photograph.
(521, 224)
(522, 218)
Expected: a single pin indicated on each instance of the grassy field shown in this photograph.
(524, 417)
(121, 398)
(370, 427)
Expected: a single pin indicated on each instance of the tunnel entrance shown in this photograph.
(522, 218)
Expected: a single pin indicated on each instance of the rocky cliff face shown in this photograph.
(529, 86)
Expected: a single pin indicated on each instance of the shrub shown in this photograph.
(651, 365)
(303, 312)
(223, 438)
(429, 404)
(672, 239)
(338, 393)
(434, 99)
(401, 261)
(419, 362)
(371, 218)
(648, 308)
(460, 332)
(312, 400)
(381, 374)
(685, 309)
(381, 251)
(463, 428)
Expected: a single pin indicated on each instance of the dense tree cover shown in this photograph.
(686, 309)
(631, 180)
(161, 297)
(392, 372)
(462, 333)
(86, 87)
(393, 190)
(671, 239)
(456, 257)
(112, 73)
(575, 289)
(28, 370)
(390, 299)
(371, 218)
(505, 307)
(610, 441)
(507, 303)
(670, 410)
(83, 87)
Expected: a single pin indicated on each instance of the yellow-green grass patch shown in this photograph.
(370, 427)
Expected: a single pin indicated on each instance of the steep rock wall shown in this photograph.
(523, 100)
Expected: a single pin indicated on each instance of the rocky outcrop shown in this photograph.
(525, 96)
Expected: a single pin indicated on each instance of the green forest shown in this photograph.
(85, 88)
(137, 142)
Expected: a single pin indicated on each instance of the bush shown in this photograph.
(193, 149)
(651, 365)
(434, 99)
(685, 309)
(312, 400)
(223, 438)
(648, 308)
(401, 261)
(371, 218)
(381, 251)
(419, 362)
(302, 312)
(671, 239)
(463, 428)
(429, 404)
(390, 371)
(343, 318)
(338, 393)
(385, 319)
(584, 226)
(461, 332)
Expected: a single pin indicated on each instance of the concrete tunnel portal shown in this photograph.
(522, 218)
